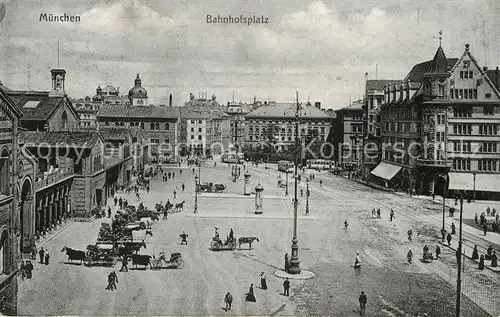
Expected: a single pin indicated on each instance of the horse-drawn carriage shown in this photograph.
(100, 254)
(211, 187)
(218, 245)
(175, 261)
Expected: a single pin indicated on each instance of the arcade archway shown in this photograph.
(26, 216)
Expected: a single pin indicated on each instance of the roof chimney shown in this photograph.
(170, 100)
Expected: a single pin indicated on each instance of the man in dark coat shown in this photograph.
(41, 253)
(286, 287)
(109, 212)
(438, 252)
(448, 238)
(110, 282)
(29, 269)
(228, 300)
(115, 200)
(124, 264)
(184, 237)
(362, 302)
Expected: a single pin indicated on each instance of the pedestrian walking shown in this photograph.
(110, 282)
(485, 228)
(180, 171)
(286, 287)
(29, 269)
(250, 295)
(23, 270)
(409, 256)
(109, 212)
(443, 234)
(362, 303)
(287, 262)
(263, 281)
(33, 253)
(175, 194)
(124, 264)
(475, 254)
(41, 253)
(47, 257)
(115, 279)
(438, 252)
(184, 237)
(183, 186)
(228, 300)
(481, 263)
(448, 238)
(147, 189)
(173, 175)
(391, 215)
(379, 214)
(115, 200)
(453, 228)
(475, 219)
(494, 259)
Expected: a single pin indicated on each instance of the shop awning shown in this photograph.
(488, 182)
(386, 171)
(460, 181)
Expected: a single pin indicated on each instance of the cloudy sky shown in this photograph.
(320, 48)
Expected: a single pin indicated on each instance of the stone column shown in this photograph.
(38, 213)
(50, 211)
(45, 211)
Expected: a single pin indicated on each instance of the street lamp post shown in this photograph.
(307, 196)
(196, 194)
(294, 267)
(445, 193)
(459, 261)
(474, 188)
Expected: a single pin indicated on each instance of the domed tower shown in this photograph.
(138, 96)
(98, 94)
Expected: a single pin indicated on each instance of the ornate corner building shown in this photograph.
(440, 129)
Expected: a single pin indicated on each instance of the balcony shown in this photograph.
(51, 178)
(434, 163)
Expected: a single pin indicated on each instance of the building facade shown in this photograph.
(441, 129)
(11, 204)
(155, 130)
(237, 112)
(348, 138)
(372, 129)
(275, 122)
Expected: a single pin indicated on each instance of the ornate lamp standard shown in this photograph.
(307, 196)
(196, 194)
(474, 192)
(294, 267)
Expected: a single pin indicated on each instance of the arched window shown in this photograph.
(4, 254)
(4, 173)
(157, 126)
(64, 120)
(152, 126)
(117, 123)
(142, 125)
(167, 126)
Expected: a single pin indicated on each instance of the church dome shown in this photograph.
(137, 91)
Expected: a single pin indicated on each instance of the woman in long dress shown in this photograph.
(263, 281)
(250, 295)
(475, 254)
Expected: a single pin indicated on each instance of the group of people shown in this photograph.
(121, 202)
(490, 255)
(167, 175)
(26, 268)
(250, 296)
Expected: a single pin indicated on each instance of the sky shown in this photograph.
(322, 49)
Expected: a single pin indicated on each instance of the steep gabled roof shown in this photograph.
(416, 74)
(439, 63)
(494, 76)
(12, 110)
(38, 105)
(481, 70)
(115, 134)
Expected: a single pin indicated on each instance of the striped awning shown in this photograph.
(465, 181)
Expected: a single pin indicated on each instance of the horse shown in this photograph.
(74, 254)
(248, 240)
(131, 247)
(180, 206)
(139, 259)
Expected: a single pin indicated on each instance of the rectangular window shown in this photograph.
(192, 137)
(456, 93)
(466, 74)
(200, 122)
(471, 74)
(461, 74)
(192, 129)
(488, 110)
(475, 93)
(451, 93)
(200, 130)
(466, 94)
(199, 137)
(460, 93)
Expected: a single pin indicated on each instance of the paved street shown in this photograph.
(393, 287)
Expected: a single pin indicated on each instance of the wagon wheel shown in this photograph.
(180, 263)
(215, 245)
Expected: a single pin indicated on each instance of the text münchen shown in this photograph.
(59, 18)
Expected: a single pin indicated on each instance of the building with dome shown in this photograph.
(137, 95)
